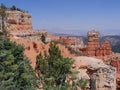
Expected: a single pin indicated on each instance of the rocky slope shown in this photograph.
(33, 48)
(114, 61)
(87, 66)
(95, 70)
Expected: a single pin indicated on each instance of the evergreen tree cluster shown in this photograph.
(16, 72)
(54, 71)
(13, 7)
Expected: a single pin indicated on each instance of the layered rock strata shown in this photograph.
(93, 48)
(18, 20)
(29, 35)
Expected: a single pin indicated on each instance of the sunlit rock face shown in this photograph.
(72, 42)
(93, 48)
(114, 61)
(18, 20)
(29, 34)
(104, 76)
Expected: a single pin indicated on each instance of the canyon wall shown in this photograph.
(18, 20)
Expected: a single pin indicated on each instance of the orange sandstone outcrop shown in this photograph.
(93, 48)
(72, 41)
(32, 48)
(18, 21)
(116, 63)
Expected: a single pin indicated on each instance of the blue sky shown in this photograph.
(72, 16)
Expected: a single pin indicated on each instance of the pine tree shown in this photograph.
(16, 72)
(54, 70)
(43, 39)
(13, 8)
(3, 16)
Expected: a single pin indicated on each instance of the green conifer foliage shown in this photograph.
(43, 38)
(54, 70)
(3, 16)
(13, 8)
(15, 70)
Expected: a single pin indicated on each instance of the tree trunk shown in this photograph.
(92, 84)
(3, 24)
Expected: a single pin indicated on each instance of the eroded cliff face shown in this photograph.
(72, 41)
(18, 20)
(93, 48)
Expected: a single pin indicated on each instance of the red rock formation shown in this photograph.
(18, 27)
(65, 40)
(93, 47)
(72, 41)
(107, 50)
(116, 63)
